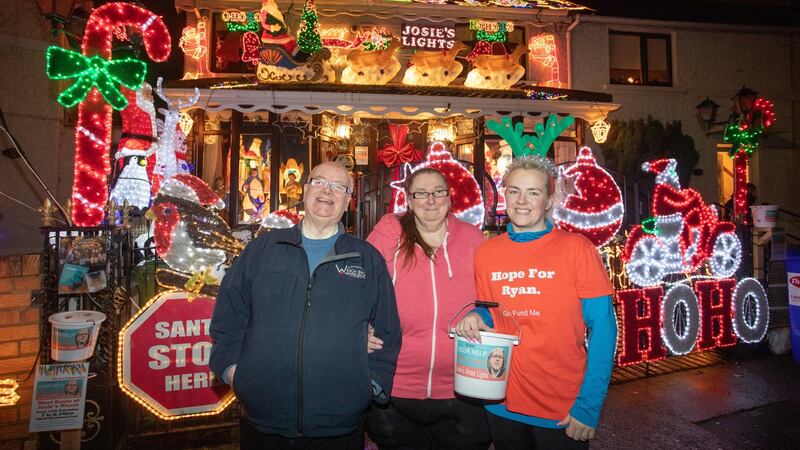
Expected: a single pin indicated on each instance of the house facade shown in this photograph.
(689, 62)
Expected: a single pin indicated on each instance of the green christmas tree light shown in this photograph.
(308, 36)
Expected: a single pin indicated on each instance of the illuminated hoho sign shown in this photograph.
(428, 37)
(164, 352)
(711, 314)
(489, 26)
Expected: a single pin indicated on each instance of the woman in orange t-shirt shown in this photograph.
(554, 285)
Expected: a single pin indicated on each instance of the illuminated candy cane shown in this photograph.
(93, 130)
(743, 137)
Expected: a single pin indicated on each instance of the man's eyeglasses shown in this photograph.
(419, 195)
(335, 187)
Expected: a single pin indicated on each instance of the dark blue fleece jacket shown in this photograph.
(299, 339)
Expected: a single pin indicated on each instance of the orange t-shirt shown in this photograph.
(541, 284)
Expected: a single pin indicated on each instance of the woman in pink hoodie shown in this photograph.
(430, 254)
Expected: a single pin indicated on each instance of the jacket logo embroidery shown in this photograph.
(352, 271)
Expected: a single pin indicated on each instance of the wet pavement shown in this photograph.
(750, 403)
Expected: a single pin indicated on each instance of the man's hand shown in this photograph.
(229, 375)
(470, 327)
(576, 430)
(373, 342)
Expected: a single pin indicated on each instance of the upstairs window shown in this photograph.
(640, 58)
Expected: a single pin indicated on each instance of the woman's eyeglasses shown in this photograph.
(335, 187)
(419, 195)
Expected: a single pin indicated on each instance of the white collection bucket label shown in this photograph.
(481, 361)
(70, 339)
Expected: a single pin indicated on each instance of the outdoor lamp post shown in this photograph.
(58, 12)
(744, 100)
(707, 110)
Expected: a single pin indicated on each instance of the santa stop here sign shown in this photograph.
(164, 352)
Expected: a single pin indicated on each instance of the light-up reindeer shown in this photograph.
(166, 162)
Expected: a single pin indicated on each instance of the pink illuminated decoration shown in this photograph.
(593, 204)
(93, 129)
(711, 314)
(544, 51)
(465, 193)
(682, 234)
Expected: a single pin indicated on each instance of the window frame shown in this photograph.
(643, 57)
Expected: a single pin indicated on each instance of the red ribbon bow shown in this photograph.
(398, 152)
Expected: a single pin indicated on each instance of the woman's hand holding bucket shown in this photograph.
(471, 326)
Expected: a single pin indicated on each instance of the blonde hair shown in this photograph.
(534, 162)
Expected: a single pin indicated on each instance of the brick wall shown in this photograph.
(19, 343)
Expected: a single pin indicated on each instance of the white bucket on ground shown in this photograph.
(74, 334)
(765, 216)
(479, 371)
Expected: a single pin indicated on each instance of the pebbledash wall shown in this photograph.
(27, 98)
(715, 61)
(19, 343)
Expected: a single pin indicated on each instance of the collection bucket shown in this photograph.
(74, 334)
(765, 216)
(481, 368)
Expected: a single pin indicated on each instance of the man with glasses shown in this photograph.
(290, 327)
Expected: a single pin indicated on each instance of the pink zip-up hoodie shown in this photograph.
(429, 293)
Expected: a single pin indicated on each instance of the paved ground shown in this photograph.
(736, 400)
(751, 403)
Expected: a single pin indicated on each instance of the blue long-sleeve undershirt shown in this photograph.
(598, 314)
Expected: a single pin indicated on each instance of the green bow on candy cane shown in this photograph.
(93, 71)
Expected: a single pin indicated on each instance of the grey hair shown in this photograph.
(533, 162)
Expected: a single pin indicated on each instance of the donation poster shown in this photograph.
(83, 262)
(59, 396)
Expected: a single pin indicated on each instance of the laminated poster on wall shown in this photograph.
(83, 264)
(59, 397)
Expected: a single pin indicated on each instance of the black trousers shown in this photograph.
(408, 424)
(252, 439)
(513, 435)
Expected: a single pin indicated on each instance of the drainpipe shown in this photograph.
(569, 48)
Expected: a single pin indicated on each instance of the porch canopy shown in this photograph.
(391, 101)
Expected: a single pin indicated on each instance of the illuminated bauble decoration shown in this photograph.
(683, 233)
(465, 193)
(594, 205)
(600, 131)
